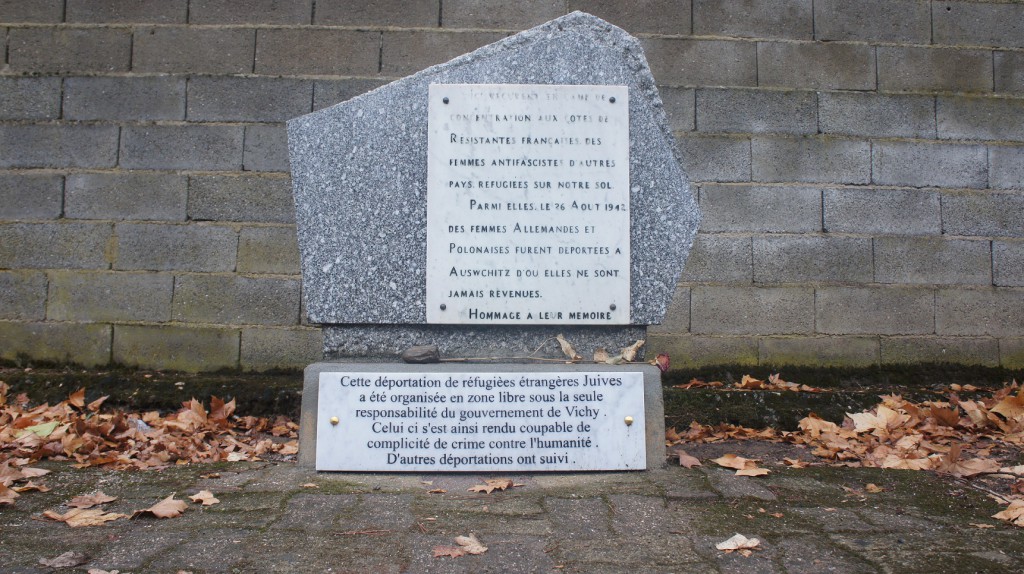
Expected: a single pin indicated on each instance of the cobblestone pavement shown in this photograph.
(269, 519)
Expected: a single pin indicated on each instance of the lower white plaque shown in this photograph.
(469, 422)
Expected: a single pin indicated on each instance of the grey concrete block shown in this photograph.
(680, 104)
(241, 198)
(978, 24)
(1006, 167)
(78, 50)
(330, 92)
(76, 343)
(876, 115)
(29, 98)
(792, 19)
(397, 13)
(1008, 263)
(874, 310)
(882, 211)
(961, 350)
(274, 348)
(272, 250)
(250, 12)
(687, 62)
(802, 259)
(295, 51)
(993, 311)
(109, 296)
(38, 11)
(728, 310)
(22, 295)
(189, 147)
(190, 50)
(677, 318)
(124, 98)
(641, 16)
(819, 351)
(929, 164)
(821, 66)
(762, 209)
(135, 12)
(719, 259)
(980, 118)
(160, 247)
(714, 158)
(1009, 71)
(810, 159)
(983, 214)
(904, 68)
(756, 111)
(694, 351)
(175, 348)
(1011, 352)
(236, 300)
(900, 21)
(265, 148)
(509, 16)
(55, 245)
(58, 146)
(932, 260)
(234, 99)
(126, 195)
(406, 52)
(30, 196)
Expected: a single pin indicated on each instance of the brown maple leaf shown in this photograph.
(1013, 514)
(166, 508)
(567, 348)
(452, 551)
(78, 517)
(492, 484)
(90, 500)
(205, 497)
(7, 495)
(470, 544)
(688, 461)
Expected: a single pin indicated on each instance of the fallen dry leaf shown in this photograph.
(600, 355)
(31, 486)
(69, 559)
(90, 500)
(166, 508)
(629, 353)
(205, 497)
(794, 462)
(437, 491)
(470, 544)
(738, 542)
(752, 472)
(873, 488)
(78, 517)
(662, 361)
(453, 551)
(309, 485)
(492, 484)
(980, 525)
(687, 460)
(7, 495)
(1014, 514)
(567, 349)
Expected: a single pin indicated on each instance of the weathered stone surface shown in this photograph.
(382, 138)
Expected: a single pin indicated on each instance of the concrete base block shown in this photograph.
(654, 407)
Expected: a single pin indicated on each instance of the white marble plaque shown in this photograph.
(469, 422)
(528, 204)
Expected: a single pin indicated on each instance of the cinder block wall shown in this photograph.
(859, 163)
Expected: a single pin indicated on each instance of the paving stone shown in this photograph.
(319, 512)
(729, 485)
(583, 517)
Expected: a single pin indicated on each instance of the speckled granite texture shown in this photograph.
(359, 172)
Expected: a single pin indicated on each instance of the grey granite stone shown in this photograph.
(359, 173)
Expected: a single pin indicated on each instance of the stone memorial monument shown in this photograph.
(524, 191)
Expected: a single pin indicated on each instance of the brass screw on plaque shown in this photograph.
(629, 421)
(334, 420)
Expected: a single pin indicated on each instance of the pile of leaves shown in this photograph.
(78, 431)
(748, 383)
(961, 437)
